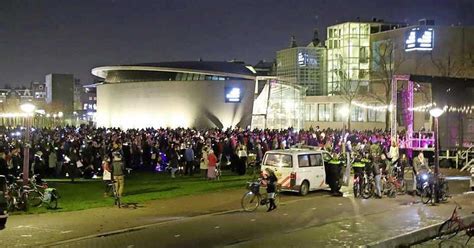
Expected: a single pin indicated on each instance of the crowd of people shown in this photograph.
(81, 151)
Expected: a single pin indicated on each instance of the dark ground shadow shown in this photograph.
(150, 190)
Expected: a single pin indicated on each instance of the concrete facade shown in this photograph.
(199, 104)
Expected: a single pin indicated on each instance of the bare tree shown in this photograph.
(348, 88)
(385, 63)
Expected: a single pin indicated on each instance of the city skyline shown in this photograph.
(56, 37)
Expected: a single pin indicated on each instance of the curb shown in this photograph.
(414, 237)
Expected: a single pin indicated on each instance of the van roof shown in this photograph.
(296, 151)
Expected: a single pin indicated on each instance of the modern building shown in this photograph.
(348, 54)
(60, 92)
(197, 94)
(303, 66)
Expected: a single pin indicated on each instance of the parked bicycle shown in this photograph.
(253, 198)
(40, 194)
(451, 227)
(16, 194)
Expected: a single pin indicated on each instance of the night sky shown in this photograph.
(38, 37)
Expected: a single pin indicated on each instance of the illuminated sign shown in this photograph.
(419, 39)
(232, 94)
(305, 59)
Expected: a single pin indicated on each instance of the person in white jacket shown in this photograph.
(204, 161)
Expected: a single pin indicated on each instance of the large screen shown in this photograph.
(232, 94)
(419, 39)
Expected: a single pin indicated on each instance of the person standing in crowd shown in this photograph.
(394, 153)
(174, 160)
(52, 162)
(107, 175)
(376, 172)
(3, 164)
(242, 153)
(204, 163)
(118, 173)
(189, 160)
(212, 163)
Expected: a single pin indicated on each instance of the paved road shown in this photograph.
(315, 221)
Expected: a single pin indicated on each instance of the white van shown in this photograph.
(298, 170)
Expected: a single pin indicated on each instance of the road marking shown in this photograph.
(177, 236)
(252, 220)
(313, 208)
(27, 235)
(285, 214)
(68, 231)
(217, 227)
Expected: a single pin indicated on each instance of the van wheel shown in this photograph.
(304, 189)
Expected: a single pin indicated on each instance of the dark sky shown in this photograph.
(38, 37)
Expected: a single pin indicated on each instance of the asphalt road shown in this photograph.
(317, 220)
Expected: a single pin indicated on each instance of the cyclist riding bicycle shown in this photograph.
(270, 179)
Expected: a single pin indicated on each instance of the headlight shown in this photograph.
(424, 176)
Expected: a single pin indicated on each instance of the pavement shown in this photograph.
(215, 220)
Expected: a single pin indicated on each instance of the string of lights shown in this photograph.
(421, 108)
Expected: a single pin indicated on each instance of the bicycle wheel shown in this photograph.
(53, 204)
(444, 191)
(276, 198)
(448, 229)
(35, 198)
(391, 189)
(368, 190)
(356, 189)
(425, 195)
(250, 201)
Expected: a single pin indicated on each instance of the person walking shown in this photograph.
(118, 173)
(271, 180)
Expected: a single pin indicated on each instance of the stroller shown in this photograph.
(3, 202)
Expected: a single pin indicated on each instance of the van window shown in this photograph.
(278, 160)
(316, 160)
(303, 161)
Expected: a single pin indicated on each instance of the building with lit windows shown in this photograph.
(348, 53)
(304, 66)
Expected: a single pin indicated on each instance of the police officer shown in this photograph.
(358, 167)
(333, 171)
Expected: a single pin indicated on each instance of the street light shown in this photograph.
(435, 113)
(28, 108)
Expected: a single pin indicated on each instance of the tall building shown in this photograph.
(60, 91)
(348, 54)
(304, 66)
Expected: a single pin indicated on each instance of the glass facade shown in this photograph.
(279, 106)
(329, 112)
(303, 66)
(348, 54)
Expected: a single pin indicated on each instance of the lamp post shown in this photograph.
(435, 113)
(28, 108)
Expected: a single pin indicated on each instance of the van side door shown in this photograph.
(317, 167)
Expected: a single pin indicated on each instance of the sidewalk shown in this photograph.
(28, 230)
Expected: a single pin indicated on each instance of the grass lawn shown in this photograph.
(139, 187)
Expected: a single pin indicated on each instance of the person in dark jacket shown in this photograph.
(271, 181)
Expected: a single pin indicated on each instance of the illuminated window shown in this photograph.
(324, 112)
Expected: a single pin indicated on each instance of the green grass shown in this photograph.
(140, 187)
